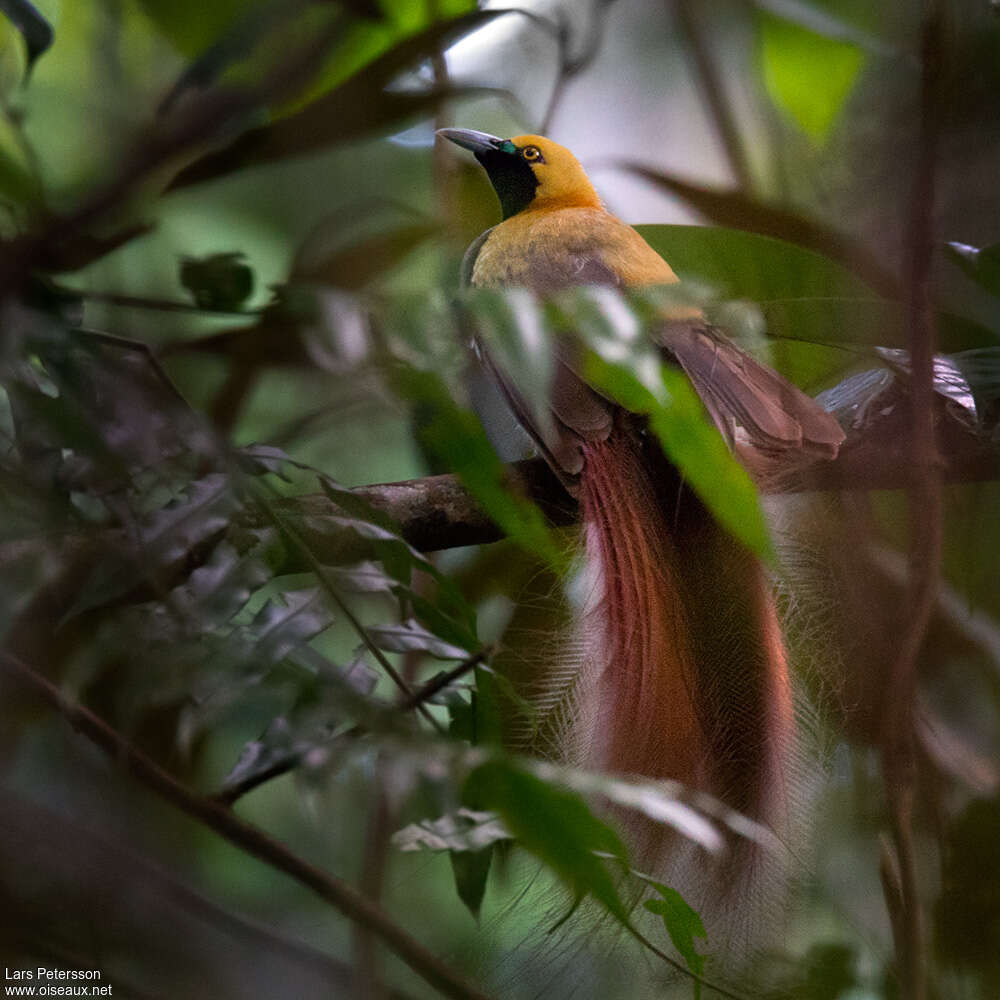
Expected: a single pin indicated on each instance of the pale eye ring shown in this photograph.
(532, 154)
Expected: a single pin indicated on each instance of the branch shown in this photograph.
(713, 92)
(437, 512)
(246, 836)
(925, 509)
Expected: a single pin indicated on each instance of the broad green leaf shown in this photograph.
(807, 75)
(455, 436)
(555, 825)
(683, 924)
(742, 265)
(691, 442)
(802, 294)
(857, 265)
(356, 106)
(865, 322)
(980, 264)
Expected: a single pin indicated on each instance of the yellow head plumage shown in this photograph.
(528, 172)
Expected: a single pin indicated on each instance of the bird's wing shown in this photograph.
(739, 392)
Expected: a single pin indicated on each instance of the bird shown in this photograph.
(681, 671)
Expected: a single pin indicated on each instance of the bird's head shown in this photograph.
(528, 171)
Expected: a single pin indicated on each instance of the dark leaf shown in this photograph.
(221, 281)
(456, 437)
(739, 211)
(411, 636)
(356, 107)
(471, 870)
(555, 825)
(808, 75)
(982, 265)
(683, 925)
(36, 30)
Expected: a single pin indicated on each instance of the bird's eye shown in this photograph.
(531, 153)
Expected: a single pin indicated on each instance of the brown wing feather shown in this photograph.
(736, 388)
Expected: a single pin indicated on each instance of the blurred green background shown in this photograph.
(769, 146)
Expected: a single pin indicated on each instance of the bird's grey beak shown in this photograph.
(467, 138)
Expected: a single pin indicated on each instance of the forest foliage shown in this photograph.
(229, 307)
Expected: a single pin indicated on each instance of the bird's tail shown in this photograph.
(685, 675)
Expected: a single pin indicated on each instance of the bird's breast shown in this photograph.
(550, 249)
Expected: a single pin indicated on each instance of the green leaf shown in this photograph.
(750, 265)
(36, 34)
(357, 106)
(808, 75)
(471, 870)
(982, 265)
(858, 270)
(683, 924)
(555, 825)
(455, 436)
(690, 441)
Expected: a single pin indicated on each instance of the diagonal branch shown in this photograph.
(246, 836)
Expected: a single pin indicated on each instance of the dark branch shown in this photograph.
(437, 512)
(244, 835)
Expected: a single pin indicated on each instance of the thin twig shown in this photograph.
(925, 505)
(432, 687)
(713, 91)
(291, 535)
(246, 836)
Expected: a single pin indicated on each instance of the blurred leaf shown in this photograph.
(511, 325)
(759, 266)
(356, 107)
(163, 538)
(808, 75)
(193, 27)
(802, 294)
(865, 322)
(361, 578)
(221, 281)
(967, 913)
(471, 869)
(323, 258)
(555, 825)
(13, 57)
(457, 438)
(817, 18)
(409, 637)
(33, 28)
(980, 264)
(281, 625)
(691, 442)
(661, 801)
(465, 830)
(683, 924)
(855, 268)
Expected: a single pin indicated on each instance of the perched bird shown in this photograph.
(681, 668)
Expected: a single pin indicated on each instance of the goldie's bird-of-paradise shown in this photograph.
(681, 669)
